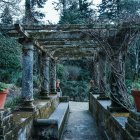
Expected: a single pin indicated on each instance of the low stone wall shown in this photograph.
(111, 125)
(20, 124)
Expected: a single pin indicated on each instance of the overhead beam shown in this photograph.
(81, 54)
(76, 58)
(68, 27)
(60, 27)
(86, 46)
(67, 42)
(26, 35)
(73, 52)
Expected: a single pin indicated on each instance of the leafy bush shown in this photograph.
(76, 90)
(10, 59)
(3, 86)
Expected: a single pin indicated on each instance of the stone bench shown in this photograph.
(52, 128)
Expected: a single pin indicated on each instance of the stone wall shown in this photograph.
(111, 125)
(19, 125)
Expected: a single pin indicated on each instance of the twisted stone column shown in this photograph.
(27, 76)
(53, 76)
(102, 75)
(45, 76)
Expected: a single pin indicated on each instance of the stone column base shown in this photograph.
(53, 92)
(44, 95)
(133, 125)
(27, 106)
(115, 107)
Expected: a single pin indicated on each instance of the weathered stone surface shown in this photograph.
(64, 99)
(45, 74)
(110, 127)
(80, 124)
(27, 75)
(4, 113)
(51, 128)
(53, 76)
(6, 124)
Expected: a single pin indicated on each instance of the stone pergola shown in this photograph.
(65, 42)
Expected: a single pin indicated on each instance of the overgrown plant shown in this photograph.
(3, 86)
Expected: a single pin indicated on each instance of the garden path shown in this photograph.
(80, 125)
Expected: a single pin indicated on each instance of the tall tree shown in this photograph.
(12, 8)
(6, 17)
(32, 14)
(109, 9)
(117, 10)
(77, 13)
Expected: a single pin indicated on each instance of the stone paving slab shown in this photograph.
(80, 124)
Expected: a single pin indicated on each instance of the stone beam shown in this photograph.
(81, 55)
(72, 46)
(61, 35)
(76, 58)
(71, 51)
(67, 42)
(60, 27)
(26, 35)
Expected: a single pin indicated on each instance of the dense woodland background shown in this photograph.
(74, 75)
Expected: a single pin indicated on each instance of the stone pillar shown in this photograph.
(116, 81)
(53, 76)
(27, 76)
(102, 75)
(96, 74)
(45, 76)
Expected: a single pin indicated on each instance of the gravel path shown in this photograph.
(80, 124)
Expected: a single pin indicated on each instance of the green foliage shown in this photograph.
(39, 4)
(108, 9)
(76, 90)
(62, 74)
(77, 14)
(128, 83)
(3, 86)
(10, 59)
(136, 85)
(84, 75)
(74, 81)
(13, 103)
(119, 10)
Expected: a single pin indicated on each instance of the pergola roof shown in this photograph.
(63, 40)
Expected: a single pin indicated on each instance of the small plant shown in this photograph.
(135, 86)
(3, 86)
